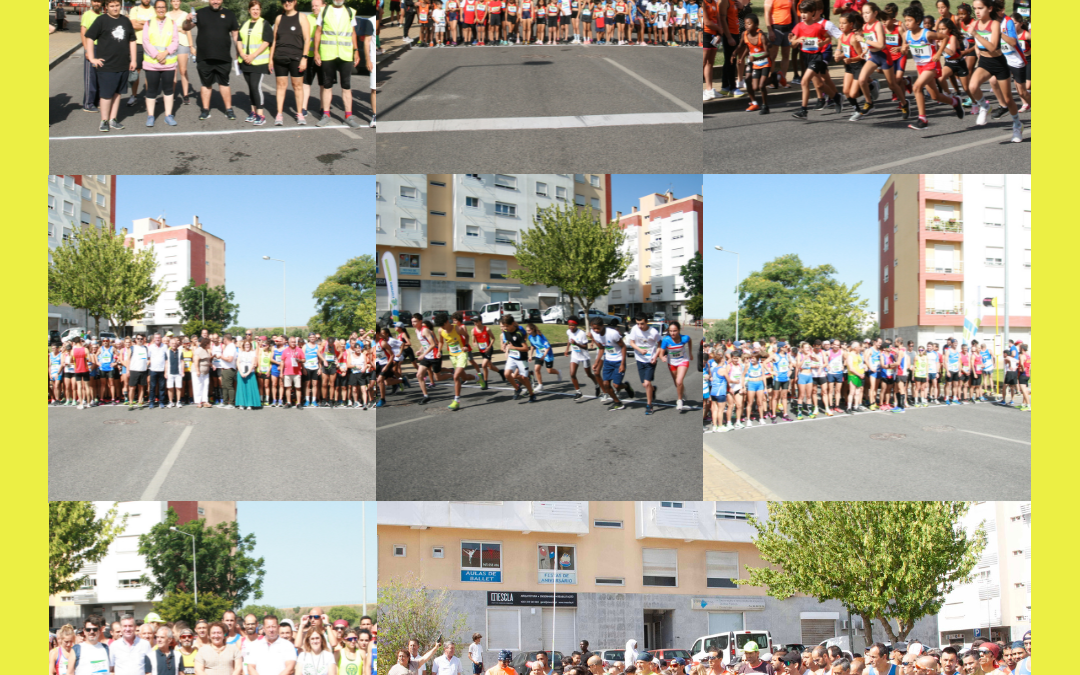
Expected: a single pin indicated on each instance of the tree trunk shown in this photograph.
(887, 625)
(868, 624)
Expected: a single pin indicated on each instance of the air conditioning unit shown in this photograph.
(843, 624)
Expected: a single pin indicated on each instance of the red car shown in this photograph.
(666, 655)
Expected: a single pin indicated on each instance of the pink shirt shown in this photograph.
(292, 359)
(154, 25)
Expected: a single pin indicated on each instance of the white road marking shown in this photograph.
(840, 416)
(398, 424)
(671, 97)
(686, 406)
(174, 134)
(163, 471)
(530, 123)
(769, 494)
(1000, 438)
(938, 153)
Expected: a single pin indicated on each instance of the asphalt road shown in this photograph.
(978, 451)
(182, 453)
(552, 449)
(742, 142)
(214, 146)
(556, 108)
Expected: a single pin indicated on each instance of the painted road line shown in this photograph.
(1000, 438)
(686, 406)
(530, 123)
(939, 153)
(668, 95)
(163, 471)
(398, 424)
(754, 483)
(836, 416)
(174, 134)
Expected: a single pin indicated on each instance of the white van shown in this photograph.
(493, 311)
(71, 333)
(729, 645)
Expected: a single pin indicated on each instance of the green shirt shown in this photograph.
(88, 18)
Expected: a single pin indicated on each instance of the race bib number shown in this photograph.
(455, 348)
(847, 51)
(810, 44)
(312, 363)
(575, 347)
(1023, 45)
(762, 62)
(921, 53)
(1024, 11)
(610, 351)
(892, 40)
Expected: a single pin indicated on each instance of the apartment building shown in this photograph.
(112, 587)
(996, 605)
(183, 252)
(662, 234)
(660, 572)
(453, 235)
(946, 243)
(76, 201)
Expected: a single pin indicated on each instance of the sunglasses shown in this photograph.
(351, 639)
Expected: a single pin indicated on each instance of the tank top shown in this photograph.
(759, 56)
(753, 372)
(289, 41)
(922, 49)
(718, 381)
(187, 355)
(869, 33)
(836, 362)
(892, 42)
(452, 340)
(330, 354)
(349, 666)
(781, 12)
(425, 344)
(78, 355)
(734, 376)
(984, 33)
(105, 358)
(356, 361)
(783, 368)
(380, 353)
(849, 49)
(483, 338)
(311, 356)
(55, 360)
(920, 366)
(264, 362)
(953, 360)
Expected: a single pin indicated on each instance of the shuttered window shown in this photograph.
(721, 568)
(503, 628)
(660, 567)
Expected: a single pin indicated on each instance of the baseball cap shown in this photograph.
(916, 649)
(153, 617)
(505, 655)
(750, 647)
(1027, 635)
(341, 622)
(290, 622)
(169, 334)
(1017, 645)
(680, 660)
(992, 648)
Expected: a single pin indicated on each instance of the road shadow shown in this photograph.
(60, 108)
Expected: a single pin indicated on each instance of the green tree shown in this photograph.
(344, 612)
(236, 330)
(872, 333)
(836, 312)
(95, 272)
(271, 8)
(720, 329)
(180, 606)
(225, 566)
(341, 300)
(569, 249)
(260, 611)
(409, 609)
(77, 537)
(890, 561)
(218, 307)
(770, 298)
(693, 285)
(195, 327)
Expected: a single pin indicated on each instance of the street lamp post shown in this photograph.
(721, 248)
(285, 287)
(194, 567)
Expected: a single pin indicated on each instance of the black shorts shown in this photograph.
(901, 378)
(564, 19)
(1024, 379)
(111, 84)
(760, 73)
(495, 20)
(329, 370)
(997, 66)
(477, 668)
(358, 379)
(1019, 73)
(310, 375)
(395, 5)
(952, 377)
(816, 63)
(82, 377)
(341, 380)
(434, 364)
(552, 21)
(486, 354)
(780, 386)
(289, 67)
(113, 374)
(311, 73)
(336, 69)
(213, 72)
(136, 378)
(573, 14)
(821, 380)
(1010, 377)
(215, 373)
(854, 68)
(541, 361)
(918, 380)
(958, 67)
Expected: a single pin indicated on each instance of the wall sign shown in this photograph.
(733, 603)
(530, 599)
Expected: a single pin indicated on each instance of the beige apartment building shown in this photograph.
(453, 235)
(660, 572)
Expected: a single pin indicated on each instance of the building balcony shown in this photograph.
(957, 310)
(953, 268)
(952, 225)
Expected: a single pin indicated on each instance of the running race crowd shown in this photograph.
(954, 54)
(451, 23)
(747, 381)
(912, 658)
(249, 373)
(449, 336)
(153, 42)
(225, 647)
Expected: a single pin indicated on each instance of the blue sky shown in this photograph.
(825, 219)
(313, 550)
(314, 223)
(626, 189)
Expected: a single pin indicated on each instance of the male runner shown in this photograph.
(516, 346)
(577, 347)
(645, 339)
(610, 344)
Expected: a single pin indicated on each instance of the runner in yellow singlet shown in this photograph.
(455, 342)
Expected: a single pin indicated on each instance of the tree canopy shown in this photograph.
(890, 561)
(219, 306)
(345, 301)
(180, 606)
(225, 566)
(693, 285)
(259, 611)
(77, 537)
(410, 610)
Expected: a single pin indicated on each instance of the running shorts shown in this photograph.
(781, 385)
(341, 380)
(485, 354)
(82, 377)
(919, 380)
(880, 60)
(816, 63)
(358, 379)
(311, 375)
(459, 360)
(820, 380)
(934, 67)
(1024, 379)
(834, 377)
(1019, 73)
(1010, 377)
(854, 69)
(137, 378)
(721, 398)
(760, 73)
(646, 371)
(997, 66)
(902, 378)
(780, 34)
(958, 67)
(954, 377)
(755, 386)
(287, 67)
(854, 380)
(932, 376)
(805, 379)
(213, 72)
(328, 369)
(311, 73)
(517, 366)
(611, 372)
(336, 69)
(434, 364)
(111, 84)
(138, 56)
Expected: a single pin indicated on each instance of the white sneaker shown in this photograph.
(1018, 132)
(708, 95)
(80, 406)
(604, 398)
(538, 388)
(678, 405)
(984, 110)
(1026, 107)
(179, 405)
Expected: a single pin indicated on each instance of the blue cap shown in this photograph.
(680, 660)
(1027, 635)
(505, 655)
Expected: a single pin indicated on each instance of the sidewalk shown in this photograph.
(792, 93)
(391, 41)
(63, 43)
(723, 483)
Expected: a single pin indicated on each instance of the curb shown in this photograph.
(389, 56)
(779, 95)
(57, 60)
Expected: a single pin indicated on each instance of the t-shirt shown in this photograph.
(516, 339)
(214, 38)
(93, 659)
(140, 13)
(187, 662)
(229, 351)
(270, 657)
(609, 343)
(476, 651)
(159, 354)
(308, 663)
(130, 659)
(215, 663)
(645, 340)
(114, 48)
(761, 667)
(815, 37)
(447, 666)
(291, 358)
(88, 18)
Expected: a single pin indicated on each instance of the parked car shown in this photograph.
(387, 318)
(792, 646)
(659, 316)
(554, 314)
(729, 644)
(608, 319)
(522, 659)
(493, 311)
(432, 313)
(467, 315)
(611, 656)
(665, 655)
(534, 315)
(54, 336)
(107, 334)
(70, 333)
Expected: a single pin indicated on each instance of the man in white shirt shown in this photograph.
(271, 655)
(644, 339)
(447, 664)
(228, 374)
(130, 655)
(416, 660)
(93, 656)
(138, 360)
(159, 356)
(248, 637)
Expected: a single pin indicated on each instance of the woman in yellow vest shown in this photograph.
(160, 41)
(336, 56)
(253, 55)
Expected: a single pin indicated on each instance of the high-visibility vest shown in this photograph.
(163, 38)
(251, 36)
(311, 24)
(337, 32)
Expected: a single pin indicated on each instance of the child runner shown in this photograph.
(812, 38)
(485, 347)
(543, 355)
(756, 43)
(877, 57)
(610, 361)
(516, 346)
(986, 30)
(922, 45)
(677, 351)
(577, 347)
(644, 339)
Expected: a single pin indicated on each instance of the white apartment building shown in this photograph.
(997, 604)
(77, 201)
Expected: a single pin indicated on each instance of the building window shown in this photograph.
(886, 211)
(896, 297)
(409, 264)
(437, 243)
(101, 222)
(438, 183)
(466, 268)
(399, 550)
(579, 200)
(86, 194)
(676, 234)
(676, 253)
(611, 524)
(560, 193)
(610, 581)
(52, 203)
(721, 569)
(595, 202)
(508, 210)
(69, 182)
(505, 182)
(579, 178)
(437, 213)
(541, 190)
(594, 181)
(129, 583)
(1027, 257)
(406, 224)
(101, 200)
(505, 237)
(886, 243)
(671, 505)
(497, 269)
(616, 295)
(437, 552)
(886, 274)
(660, 567)
(378, 189)
(556, 557)
(993, 216)
(69, 209)
(995, 256)
(102, 179)
(472, 230)
(52, 178)
(472, 202)
(886, 305)
(474, 176)
(408, 192)
(895, 262)
(481, 560)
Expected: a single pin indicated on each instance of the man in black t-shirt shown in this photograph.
(218, 28)
(114, 57)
